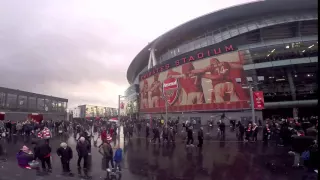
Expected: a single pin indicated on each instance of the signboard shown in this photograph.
(170, 89)
(206, 84)
(258, 100)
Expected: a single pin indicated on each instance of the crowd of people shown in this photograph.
(299, 134)
(40, 156)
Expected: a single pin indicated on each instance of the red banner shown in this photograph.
(205, 85)
(258, 100)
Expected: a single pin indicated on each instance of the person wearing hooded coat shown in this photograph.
(24, 157)
(42, 151)
(65, 153)
(84, 150)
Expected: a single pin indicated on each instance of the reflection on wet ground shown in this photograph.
(144, 160)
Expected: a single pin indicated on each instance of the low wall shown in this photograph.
(242, 116)
(22, 116)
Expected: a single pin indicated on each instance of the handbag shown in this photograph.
(3, 134)
(34, 164)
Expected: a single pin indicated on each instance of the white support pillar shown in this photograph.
(295, 111)
(150, 62)
(248, 58)
(152, 59)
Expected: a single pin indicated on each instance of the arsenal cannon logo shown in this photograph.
(171, 90)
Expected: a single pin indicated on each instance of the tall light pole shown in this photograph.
(166, 108)
(250, 84)
(119, 105)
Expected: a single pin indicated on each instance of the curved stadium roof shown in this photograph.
(219, 18)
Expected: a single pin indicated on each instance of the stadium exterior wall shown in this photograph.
(270, 39)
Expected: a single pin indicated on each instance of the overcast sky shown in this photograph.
(81, 50)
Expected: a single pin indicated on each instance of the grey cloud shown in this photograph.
(38, 50)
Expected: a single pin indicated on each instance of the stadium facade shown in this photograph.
(197, 64)
(17, 105)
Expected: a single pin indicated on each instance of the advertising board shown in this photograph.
(258, 100)
(206, 84)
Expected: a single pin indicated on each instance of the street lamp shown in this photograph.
(119, 106)
(166, 108)
(250, 84)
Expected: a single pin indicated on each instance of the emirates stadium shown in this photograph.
(207, 66)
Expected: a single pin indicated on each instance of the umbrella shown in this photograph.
(113, 120)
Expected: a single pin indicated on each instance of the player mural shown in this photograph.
(201, 85)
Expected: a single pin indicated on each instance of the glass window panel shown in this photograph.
(190, 46)
(40, 104)
(210, 40)
(48, 105)
(2, 99)
(23, 102)
(242, 28)
(197, 43)
(252, 26)
(65, 106)
(54, 105)
(217, 38)
(234, 31)
(11, 100)
(32, 103)
(225, 35)
(203, 42)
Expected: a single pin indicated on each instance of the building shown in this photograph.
(17, 105)
(196, 63)
(129, 105)
(91, 111)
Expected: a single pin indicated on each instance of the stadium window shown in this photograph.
(233, 30)
(197, 43)
(210, 40)
(204, 42)
(242, 28)
(252, 26)
(225, 33)
(190, 46)
(217, 38)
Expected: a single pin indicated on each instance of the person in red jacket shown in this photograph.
(223, 81)
(144, 95)
(155, 90)
(191, 84)
(103, 136)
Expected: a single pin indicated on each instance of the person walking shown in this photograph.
(190, 136)
(254, 132)
(45, 134)
(42, 151)
(118, 157)
(147, 130)
(200, 137)
(156, 135)
(65, 153)
(248, 132)
(83, 149)
(107, 153)
(266, 134)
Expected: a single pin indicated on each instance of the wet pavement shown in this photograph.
(218, 160)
